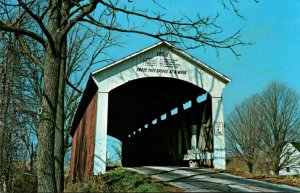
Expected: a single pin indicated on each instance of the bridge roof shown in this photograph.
(178, 51)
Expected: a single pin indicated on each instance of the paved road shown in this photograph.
(203, 180)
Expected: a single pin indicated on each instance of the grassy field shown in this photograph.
(289, 180)
(121, 180)
(239, 168)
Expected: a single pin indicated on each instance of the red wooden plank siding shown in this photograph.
(83, 143)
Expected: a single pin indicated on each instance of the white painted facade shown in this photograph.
(293, 167)
(159, 60)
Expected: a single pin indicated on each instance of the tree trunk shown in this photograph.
(46, 163)
(250, 167)
(5, 130)
(46, 133)
(276, 160)
(59, 134)
(276, 167)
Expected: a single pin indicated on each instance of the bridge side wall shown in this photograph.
(83, 144)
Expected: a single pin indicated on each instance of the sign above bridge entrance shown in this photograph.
(161, 60)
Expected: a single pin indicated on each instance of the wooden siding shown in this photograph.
(83, 144)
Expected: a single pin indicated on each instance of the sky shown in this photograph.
(273, 28)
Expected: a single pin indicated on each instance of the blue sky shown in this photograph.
(273, 26)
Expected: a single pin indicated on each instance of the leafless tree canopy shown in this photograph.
(18, 129)
(243, 129)
(109, 15)
(43, 30)
(263, 125)
(281, 114)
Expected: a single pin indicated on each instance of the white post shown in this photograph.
(194, 138)
(218, 133)
(101, 134)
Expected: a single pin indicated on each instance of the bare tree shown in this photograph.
(118, 150)
(15, 138)
(243, 132)
(279, 109)
(83, 49)
(8, 120)
(6, 97)
(53, 20)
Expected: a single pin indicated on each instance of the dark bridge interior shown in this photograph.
(149, 117)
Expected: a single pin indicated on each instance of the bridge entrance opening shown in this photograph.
(161, 121)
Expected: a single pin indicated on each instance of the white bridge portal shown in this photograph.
(164, 105)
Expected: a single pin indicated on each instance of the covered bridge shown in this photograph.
(164, 105)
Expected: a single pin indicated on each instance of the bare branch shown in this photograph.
(85, 10)
(28, 53)
(40, 23)
(5, 27)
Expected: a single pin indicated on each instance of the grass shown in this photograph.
(239, 168)
(289, 180)
(121, 180)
